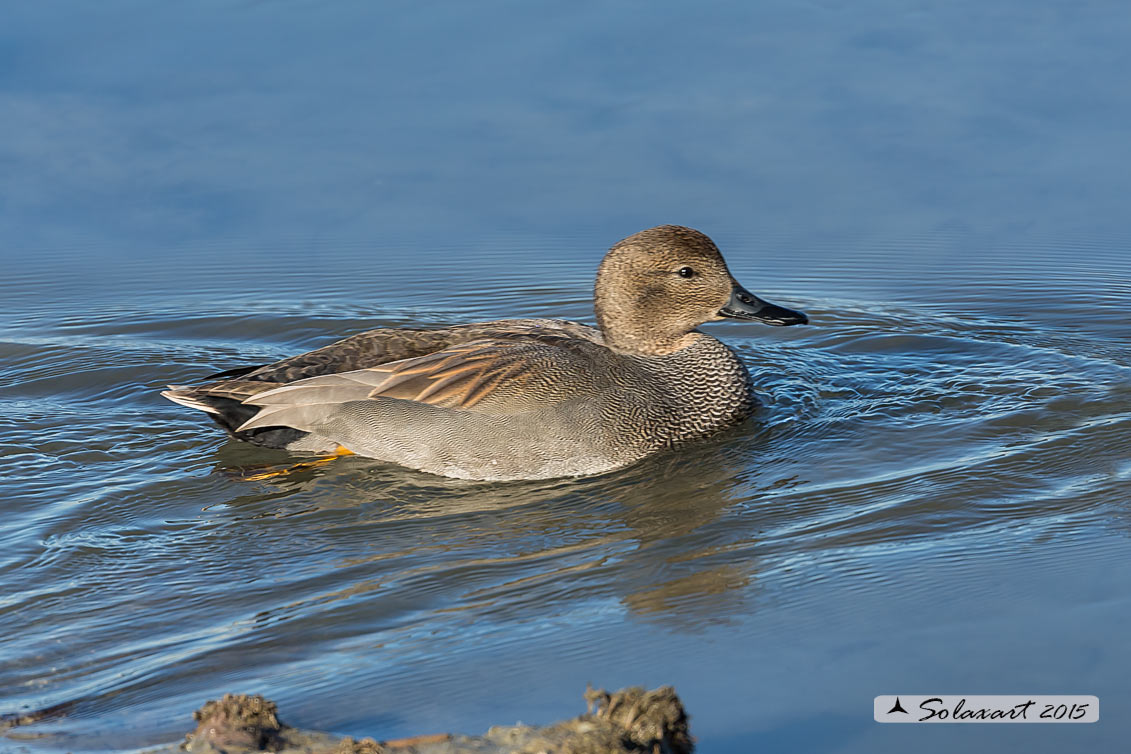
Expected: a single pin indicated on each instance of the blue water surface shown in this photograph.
(934, 501)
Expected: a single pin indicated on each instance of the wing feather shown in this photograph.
(464, 377)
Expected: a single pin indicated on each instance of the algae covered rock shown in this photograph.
(630, 721)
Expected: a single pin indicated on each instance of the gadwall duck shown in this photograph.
(519, 398)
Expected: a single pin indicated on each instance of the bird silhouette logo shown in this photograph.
(897, 707)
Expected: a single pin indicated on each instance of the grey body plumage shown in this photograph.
(523, 398)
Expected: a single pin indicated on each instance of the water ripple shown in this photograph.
(141, 571)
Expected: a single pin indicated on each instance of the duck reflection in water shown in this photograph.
(659, 536)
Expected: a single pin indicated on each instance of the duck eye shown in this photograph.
(685, 272)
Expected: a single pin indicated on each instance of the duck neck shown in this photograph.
(629, 332)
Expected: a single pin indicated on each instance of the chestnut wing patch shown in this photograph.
(523, 373)
(461, 376)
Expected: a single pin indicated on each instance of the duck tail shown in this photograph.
(230, 413)
(187, 396)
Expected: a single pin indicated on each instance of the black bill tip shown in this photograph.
(745, 305)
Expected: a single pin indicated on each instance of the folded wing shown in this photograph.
(493, 376)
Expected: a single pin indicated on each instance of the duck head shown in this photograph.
(656, 286)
